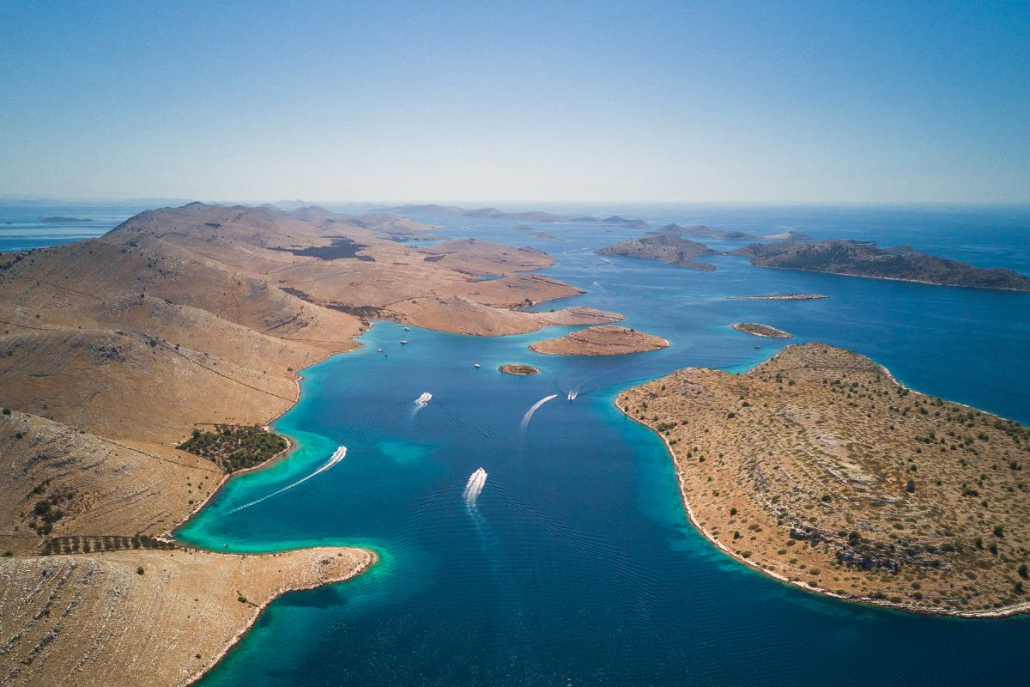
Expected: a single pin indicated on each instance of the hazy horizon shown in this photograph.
(556, 102)
(513, 205)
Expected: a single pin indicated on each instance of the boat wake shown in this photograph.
(423, 400)
(474, 487)
(337, 456)
(529, 413)
(507, 596)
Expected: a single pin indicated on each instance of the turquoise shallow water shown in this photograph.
(577, 565)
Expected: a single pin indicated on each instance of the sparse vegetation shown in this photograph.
(849, 471)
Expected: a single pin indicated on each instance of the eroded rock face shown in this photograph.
(818, 467)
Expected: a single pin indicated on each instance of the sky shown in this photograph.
(562, 100)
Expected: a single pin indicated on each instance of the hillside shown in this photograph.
(864, 259)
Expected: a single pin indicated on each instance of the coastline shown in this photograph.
(371, 558)
(1015, 609)
(169, 535)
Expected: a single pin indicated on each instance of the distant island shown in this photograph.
(623, 222)
(487, 213)
(57, 219)
(819, 469)
(865, 259)
(601, 340)
(762, 330)
(786, 236)
(664, 247)
(780, 297)
(518, 369)
(702, 231)
(493, 213)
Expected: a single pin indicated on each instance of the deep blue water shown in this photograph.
(577, 565)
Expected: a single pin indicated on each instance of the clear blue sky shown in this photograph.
(517, 101)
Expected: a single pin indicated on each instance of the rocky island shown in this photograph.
(865, 259)
(664, 247)
(518, 369)
(780, 297)
(818, 468)
(762, 330)
(602, 340)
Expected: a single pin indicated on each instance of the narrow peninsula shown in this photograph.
(818, 468)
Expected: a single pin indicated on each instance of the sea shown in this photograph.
(574, 563)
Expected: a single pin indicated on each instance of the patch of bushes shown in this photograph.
(235, 447)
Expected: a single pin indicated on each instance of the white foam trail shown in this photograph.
(423, 400)
(474, 487)
(529, 413)
(337, 456)
(573, 394)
